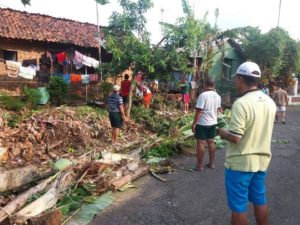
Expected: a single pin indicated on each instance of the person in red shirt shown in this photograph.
(125, 89)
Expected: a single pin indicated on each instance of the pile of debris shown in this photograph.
(56, 133)
(58, 151)
(111, 172)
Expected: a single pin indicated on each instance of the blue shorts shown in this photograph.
(242, 187)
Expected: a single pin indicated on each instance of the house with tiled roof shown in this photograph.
(27, 37)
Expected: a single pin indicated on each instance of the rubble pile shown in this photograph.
(58, 132)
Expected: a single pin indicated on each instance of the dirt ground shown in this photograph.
(193, 198)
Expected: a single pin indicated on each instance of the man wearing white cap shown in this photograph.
(116, 112)
(249, 151)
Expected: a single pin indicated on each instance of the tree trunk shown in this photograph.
(130, 177)
(130, 100)
(21, 200)
(16, 178)
(46, 201)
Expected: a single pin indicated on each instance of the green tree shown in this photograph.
(275, 51)
(185, 37)
(128, 40)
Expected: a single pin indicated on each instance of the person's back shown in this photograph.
(125, 86)
(209, 102)
(280, 97)
(113, 102)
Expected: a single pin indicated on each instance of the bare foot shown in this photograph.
(199, 168)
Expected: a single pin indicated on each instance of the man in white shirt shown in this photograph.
(205, 121)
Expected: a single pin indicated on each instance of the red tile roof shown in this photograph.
(31, 26)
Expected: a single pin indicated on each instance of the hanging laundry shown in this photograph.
(12, 68)
(75, 78)
(85, 79)
(87, 61)
(27, 72)
(95, 63)
(77, 61)
(67, 78)
(93, 77)
(61, 58)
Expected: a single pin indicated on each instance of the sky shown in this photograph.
(232, 13)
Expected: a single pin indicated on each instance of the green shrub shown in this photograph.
(105, 88)
(11, 119)
(11, 103)
(31, 96)
(58, 90)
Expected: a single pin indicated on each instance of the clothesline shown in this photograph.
(15, 69)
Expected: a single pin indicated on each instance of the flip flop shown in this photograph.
(210, 167)
(195, 169)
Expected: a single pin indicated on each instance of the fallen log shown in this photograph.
(130, 177)
(21, 200)
(15, 178)
(46, 201)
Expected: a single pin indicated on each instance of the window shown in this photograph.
(228, 67)
(10, 55)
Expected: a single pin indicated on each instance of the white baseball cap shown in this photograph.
(116, 88)
(249, 69)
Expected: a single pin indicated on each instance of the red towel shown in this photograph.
(61, 57)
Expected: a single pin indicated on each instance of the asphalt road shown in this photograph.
(198, 198)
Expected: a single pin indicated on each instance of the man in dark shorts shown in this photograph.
(205, 121)
(116, 112)
(125, 89)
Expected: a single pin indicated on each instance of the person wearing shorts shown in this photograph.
(281, 100)
(116, 112)
(146, 95)
(205, 121)
(249, 149)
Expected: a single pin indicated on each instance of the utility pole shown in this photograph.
(279, 11)
(99, 41)
(162, 10)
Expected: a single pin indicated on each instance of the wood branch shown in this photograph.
(49, 147)
(46, 201)
(130, 177)
(21, 200)
(16, 178)
(136, 152)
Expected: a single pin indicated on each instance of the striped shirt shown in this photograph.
(113, 102)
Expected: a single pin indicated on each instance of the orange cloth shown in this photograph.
(75, 78)
(147, 99)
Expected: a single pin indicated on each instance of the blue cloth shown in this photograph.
(67, 78)
(113, 102)
(242, 187)
(85, 79)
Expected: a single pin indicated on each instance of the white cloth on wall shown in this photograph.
(12, 68)
(27, 72)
